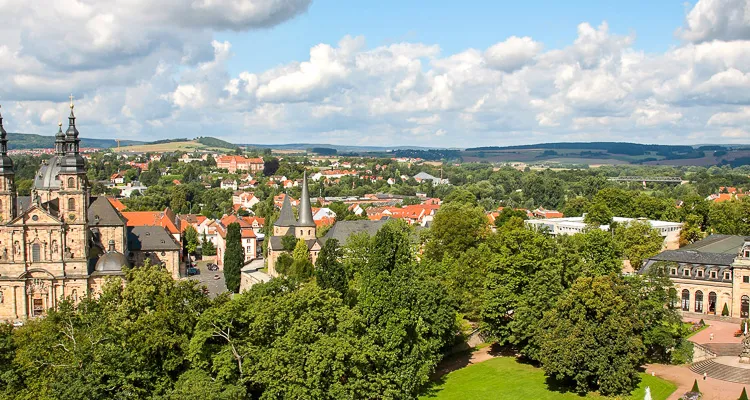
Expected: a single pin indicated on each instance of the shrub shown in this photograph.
(695, 388)
(743, 396)
(702, 323)
(682, 353)
(725, 311)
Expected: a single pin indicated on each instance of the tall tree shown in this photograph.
(302, 267)
(234, 257)
(598, 214)
(456, 228)
(592, 338)
(639, 241)
(330, 272)
(691, 230)
(190, 238)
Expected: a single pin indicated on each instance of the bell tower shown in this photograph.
(7, 180)
(74, 188)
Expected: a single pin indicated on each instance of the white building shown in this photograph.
(572, 225)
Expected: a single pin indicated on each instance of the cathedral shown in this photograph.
(62, 243)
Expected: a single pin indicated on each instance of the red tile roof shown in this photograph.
(151, 218)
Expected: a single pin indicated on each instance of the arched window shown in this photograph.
(36, 252)
(699, 301)
(74, 296)
(673, 302)
(71, 182)
(745, 307)
(1, 204)
(685, 300)
(71, 204)
(712, 302)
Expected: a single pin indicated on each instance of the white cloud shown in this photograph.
(169, 78)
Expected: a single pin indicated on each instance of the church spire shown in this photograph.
(6, 164)
(59, 141)
(305, 207)
(72, 131)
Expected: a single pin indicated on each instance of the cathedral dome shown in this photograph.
(112, 261)
(47, 177)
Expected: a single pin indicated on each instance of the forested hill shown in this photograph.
(214, 142)
(33, 141)
(632, 149)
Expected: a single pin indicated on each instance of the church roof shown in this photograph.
(102, 213)
(111, 262)
(286, 215)
(47, 177)
(305, 208)
(342, 230)
(151, 238)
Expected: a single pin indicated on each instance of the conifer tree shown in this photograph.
(695, 388)
(234, 257)
(743, 396)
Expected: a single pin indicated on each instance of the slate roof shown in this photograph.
(342, 230)
(286, 215)
(305, 209)
(715, 250)
(695, 257)
(23, 203)
(47, 177)
(728, 244)
(101, 212)
(151, 238)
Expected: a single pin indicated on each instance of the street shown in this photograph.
(206, 277)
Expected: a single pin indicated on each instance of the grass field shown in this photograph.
(504, 378)
(190, 145)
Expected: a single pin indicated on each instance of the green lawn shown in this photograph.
(504, 378)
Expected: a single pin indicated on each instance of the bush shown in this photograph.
(743, 396)
(702, 323)
(695, 388)
(682, 353)
(725, 311)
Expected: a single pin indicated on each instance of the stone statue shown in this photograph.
(17, 248)
(745, 355)
(68, 253)
(5, 253)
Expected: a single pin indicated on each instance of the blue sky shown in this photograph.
(429, 73)
(454, 26)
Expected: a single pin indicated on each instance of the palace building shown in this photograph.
(709, 275)
(60, 242)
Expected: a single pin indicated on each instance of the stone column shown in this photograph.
(25, 302)
(15, 302)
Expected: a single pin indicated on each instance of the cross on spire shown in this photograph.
(71, 101)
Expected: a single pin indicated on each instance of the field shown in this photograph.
(190, 145)
(504, 378)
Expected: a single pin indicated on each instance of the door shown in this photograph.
(38, 307)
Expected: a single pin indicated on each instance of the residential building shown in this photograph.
(670, 231)
(239, 163)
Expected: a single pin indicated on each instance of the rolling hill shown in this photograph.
(34, 141)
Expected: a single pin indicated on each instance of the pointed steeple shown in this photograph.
(72, 162)
(286, 215)
(72, 131)
(305, 207)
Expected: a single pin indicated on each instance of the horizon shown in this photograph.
(444, 76)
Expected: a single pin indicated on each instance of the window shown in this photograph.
(713, 274)
(700, 273)
(686, 272)
(672, 298)
(673, 271)
(727, 275)
(71, 204)
(36, 252)
(746, 279)
(71, 182)
(712, 303)
(699, 301)
(38, 307)
(685, 300)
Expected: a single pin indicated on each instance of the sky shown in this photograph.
(422, 73)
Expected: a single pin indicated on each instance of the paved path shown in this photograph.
(723, 333)
(712, 389)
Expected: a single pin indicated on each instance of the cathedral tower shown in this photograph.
(305, 227)
(7, 180)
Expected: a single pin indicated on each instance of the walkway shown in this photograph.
(683, 377)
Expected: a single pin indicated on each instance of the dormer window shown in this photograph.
(699, 273)
(727, 275)
(686, 272)
(713, 274)
(673, 271)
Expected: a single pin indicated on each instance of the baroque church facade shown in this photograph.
(60, 242)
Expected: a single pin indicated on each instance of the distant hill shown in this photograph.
(338, 148)
(214, 142)
(33, 141)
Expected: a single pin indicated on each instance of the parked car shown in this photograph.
(193, 271)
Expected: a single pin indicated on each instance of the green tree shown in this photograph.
(591, 339)
(207, 247)
(456, 228)
(234, 257)
(190, 239)
(743, 396)
(691, 230)
(639, 241)
(508, 213)
(576, 207)
(302, 267)
(695, 388)
(330, 272)
(599, 214)
(284, 263)
(730, 217)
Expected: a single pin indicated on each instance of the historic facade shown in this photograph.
(60, 242)
(709, 275)
(286, 225)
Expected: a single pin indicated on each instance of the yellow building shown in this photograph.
(709, 274)
(60, 242)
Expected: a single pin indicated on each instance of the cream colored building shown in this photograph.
(59, 242)
(709, 274)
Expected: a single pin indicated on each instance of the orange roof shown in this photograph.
(239, 160)
(325, 221)
(176, 182)
(150, 218)
(117, 204)
(250, 220)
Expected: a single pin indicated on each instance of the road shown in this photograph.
(206, 277)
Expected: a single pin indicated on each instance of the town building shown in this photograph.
(60, 242)
(670, 231)
(709, 275)
(239, 163)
